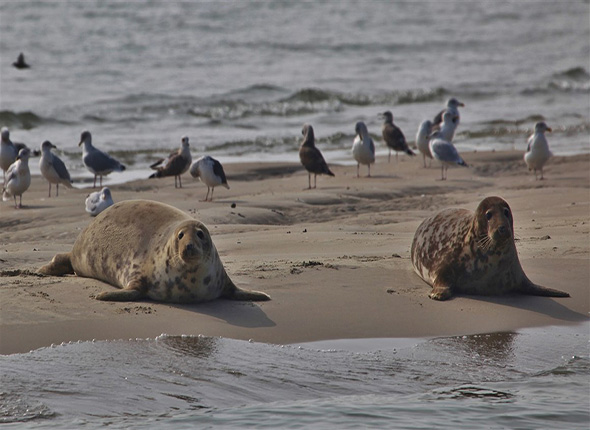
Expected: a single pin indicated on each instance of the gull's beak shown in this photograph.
(461, 104)
(81, 142)
(549, 129)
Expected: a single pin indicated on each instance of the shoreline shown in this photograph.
(335, 260)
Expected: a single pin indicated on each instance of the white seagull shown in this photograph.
(53, 169)
(443, 150)
(18, 178)
(98, 162)
(98, 201)
(210, 172)
(422, 137)
(363, 148)
(537, 152)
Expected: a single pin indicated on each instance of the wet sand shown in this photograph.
(335, 260)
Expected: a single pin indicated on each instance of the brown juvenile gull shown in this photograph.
(311, 157)
(53, 169)
(363, 148)
(18, 178)
(98, 162)
(537, 151)
(177, 163)
(210, 172)
(393, 136)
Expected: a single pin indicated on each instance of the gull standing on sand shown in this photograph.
(537, 151)
(18, 178)
(53, 169)
(177, 163)
(8, 151)
(442, 149)
(453, 108)
(393, 136)
(210, 172)
(363, 148)
(422, 139)
(98, 162)
(98, 201)
(311, 157)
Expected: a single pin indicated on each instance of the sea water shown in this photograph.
(530, 379)
(241, 78)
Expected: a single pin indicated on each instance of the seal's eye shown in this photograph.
(489, 215)
(180, 235)
(506, 213)
(200, 234)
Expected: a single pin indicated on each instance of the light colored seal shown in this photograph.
(458, 251)
(150, 250)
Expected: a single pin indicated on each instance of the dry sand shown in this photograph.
(335, 259)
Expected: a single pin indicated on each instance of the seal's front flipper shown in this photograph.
(60, 265)
(440, 292)
(120, 296)
(131, 293)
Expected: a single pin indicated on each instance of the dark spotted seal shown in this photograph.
(458, 251)
(150, 250)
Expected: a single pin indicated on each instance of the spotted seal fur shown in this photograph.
(458, 251)
(150, 250)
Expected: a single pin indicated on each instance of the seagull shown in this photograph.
(443, 150)
(98, 201)
(363, 148)
(53, 169)
(98, 162)
(210, 172)
(8, 151)
(177, 163)
(20, 62)
(18, 178)
(393, 136)
(452, 107)
(422, 137)
(311, 157)
(537, 151)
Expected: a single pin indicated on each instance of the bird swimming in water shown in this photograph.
(20, 62)
(311, 157)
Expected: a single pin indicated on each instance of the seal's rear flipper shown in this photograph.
(245, 295)
(59, 266)
(536, 290)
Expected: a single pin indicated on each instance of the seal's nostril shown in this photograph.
(190, 247)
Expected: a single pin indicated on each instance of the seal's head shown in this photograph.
(190, 242)
(492, 224)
